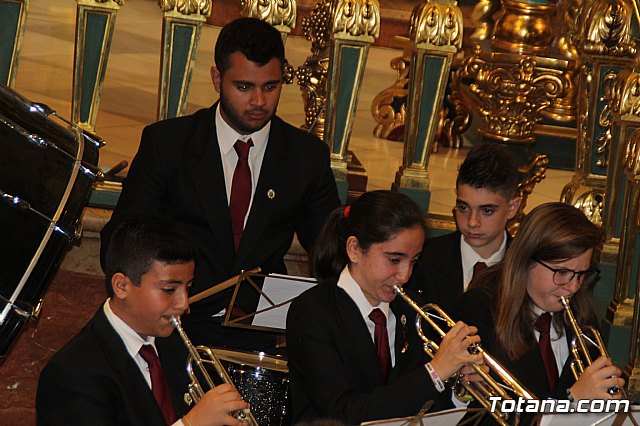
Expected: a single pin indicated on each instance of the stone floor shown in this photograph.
(69, 303)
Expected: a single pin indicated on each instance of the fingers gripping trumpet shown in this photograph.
(505, 386)
(579, 349)
(199, 358)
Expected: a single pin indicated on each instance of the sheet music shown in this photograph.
(279, 288)
(440, 418)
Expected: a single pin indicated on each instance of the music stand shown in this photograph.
(630, 418)
(441, 418)
(273, 297)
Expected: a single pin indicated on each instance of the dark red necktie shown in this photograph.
(240, 190)
(381, 338)
(477, 268)
(159, 385)
(544, 327)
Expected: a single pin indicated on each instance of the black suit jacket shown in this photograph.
(178, 173)
(93, 380)
(334, 368)
(475, 307)
(438, 276)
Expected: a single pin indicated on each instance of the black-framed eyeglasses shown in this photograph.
(562, 276)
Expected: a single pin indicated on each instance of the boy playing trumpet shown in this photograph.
(126, 366)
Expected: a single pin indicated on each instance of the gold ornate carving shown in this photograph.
(357, 18)
(482, 17)
(382, 107)
(187, 7)
(436, 24)
(623, 92)
(274, 12)
(605, 27)
(312, 75)
(533, 173)
(524, 27)
(101, 3)
(512, 96)
(591, 203)
(631, 159)
(454, 127)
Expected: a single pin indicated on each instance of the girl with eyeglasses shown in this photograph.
(551, 256)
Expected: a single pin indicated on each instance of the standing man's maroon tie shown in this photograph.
(551, 369)
(159, 385)
(240, 190)
(381, 339)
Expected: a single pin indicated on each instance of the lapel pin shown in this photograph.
(271, 194)
(403, 320)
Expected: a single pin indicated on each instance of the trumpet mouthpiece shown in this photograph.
(397, 289)
(175, 320)
(565, 300)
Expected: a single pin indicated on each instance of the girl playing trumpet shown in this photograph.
(344, 362)
(517, 308)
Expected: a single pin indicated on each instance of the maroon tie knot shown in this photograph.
(543, 324)
(378, 317)
(478, 267)
(159, 385)
(242, 148)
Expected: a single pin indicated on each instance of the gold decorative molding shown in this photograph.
(115, 4)
(312, 75)
(524, 27)
(187, 8)
(382, 106)
(533, 173)
(436, 24)
(279, 13)
(512, 95)
(631, 157)
(482, 17)
(356, 18)
(604, 27)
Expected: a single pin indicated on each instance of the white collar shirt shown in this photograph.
(227, 137)
(351, 287)
(470, 257)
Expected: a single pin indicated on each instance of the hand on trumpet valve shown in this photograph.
(453, 353)
(600, 380)
(217, 408)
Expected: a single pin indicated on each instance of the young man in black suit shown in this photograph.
(486, 199)
(103, 376)
(186, 169)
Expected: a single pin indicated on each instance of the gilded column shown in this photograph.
(280, 14)
(181, 29)
(95, 22)
(13, 19)
(605, 45)
(622, 143)
(436, 36)
(628, 258)
(355, 25)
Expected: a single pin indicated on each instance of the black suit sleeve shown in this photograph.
(322, 198)
(68, 396)
(144, 189)
(327, 378)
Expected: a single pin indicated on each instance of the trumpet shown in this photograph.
(579, 350)
(197, 370)
(506, 388)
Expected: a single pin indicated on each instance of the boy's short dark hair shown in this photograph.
(490, 166)
(137, 242)
(255, 39)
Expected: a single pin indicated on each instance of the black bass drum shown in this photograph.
(47, 168)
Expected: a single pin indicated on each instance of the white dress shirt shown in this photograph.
(348, 284)
(470, 258)
(227, 137)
